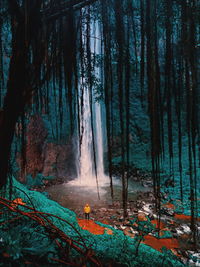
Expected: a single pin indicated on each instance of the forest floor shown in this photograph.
(174, 234)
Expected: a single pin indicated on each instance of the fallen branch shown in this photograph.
(42, 218)
(34, 211)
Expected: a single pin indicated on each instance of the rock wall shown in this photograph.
(36, 138)
(45, 157)
(59, 161)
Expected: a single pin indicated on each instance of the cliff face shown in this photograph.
(59, 161)
(45, 157)
(36, 139)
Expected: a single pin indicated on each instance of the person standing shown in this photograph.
(87, 210)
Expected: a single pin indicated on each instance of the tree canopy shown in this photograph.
(149, 45)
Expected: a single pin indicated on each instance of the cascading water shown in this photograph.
(91, 145)
(99, 142)
(86, 156)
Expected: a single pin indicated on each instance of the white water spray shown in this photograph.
(91, 147)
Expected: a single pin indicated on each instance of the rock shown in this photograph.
(133, 231)
(186, 229)
(147, 208)
(116, 204)
(126, 223)
(111, 210)
(118, 212)
(151, 216)
(167, 211)
(179, 232)
(130, 214)
(139, 204)
(102, 209)
(121, 219)
(151, 196)
(135, 211)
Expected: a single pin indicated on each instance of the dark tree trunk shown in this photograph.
(14, 102)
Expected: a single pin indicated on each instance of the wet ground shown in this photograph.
(140, 203)
(75, 197)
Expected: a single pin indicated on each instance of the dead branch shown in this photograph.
(41, 218)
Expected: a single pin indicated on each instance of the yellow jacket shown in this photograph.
(87, 209)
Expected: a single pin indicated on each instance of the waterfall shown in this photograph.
(91, 145)
(87, 175)
(99, 142)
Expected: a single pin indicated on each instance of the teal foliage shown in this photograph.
(25, 238)
(165, 234)
(143, 228)
(146, 227)
(168, 256)
(123, 249)
(36, 181)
